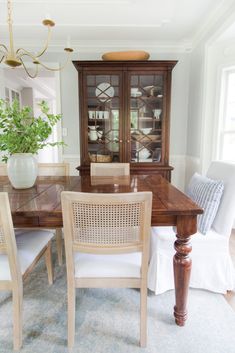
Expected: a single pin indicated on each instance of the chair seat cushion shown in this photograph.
(121, 265)
(29, 244)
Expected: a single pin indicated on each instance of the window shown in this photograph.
(11, 95)
(226, 141)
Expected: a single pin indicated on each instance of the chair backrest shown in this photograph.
(106, 223)
(7, 239)
(109, 169)
(53, 169)
(44, 169)
(225, 216)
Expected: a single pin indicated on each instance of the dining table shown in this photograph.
(40, 206)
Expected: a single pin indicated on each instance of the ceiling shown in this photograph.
(121, 23)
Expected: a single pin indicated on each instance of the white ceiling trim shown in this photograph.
(217, 18)
(91, 25)
(76, 2)
(97, 46)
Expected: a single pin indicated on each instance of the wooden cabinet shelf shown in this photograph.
(129, 103)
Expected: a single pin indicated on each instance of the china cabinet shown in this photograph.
(125, 114)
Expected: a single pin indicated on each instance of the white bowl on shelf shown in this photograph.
(146, 131)
(144, 153)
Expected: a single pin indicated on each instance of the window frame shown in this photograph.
(223, 107)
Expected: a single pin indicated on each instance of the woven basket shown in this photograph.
(100, 158)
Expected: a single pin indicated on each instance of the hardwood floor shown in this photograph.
(230, 296)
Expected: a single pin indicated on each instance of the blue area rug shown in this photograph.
(107, 320)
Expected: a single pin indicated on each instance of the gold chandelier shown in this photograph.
(14, 58)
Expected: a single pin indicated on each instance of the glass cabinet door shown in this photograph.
(146, 117)
(103, 117)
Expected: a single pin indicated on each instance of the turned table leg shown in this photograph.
(186, 225)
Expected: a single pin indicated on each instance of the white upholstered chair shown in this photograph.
(18, 255)
(109, 169)
(109, 250)
(212, 268)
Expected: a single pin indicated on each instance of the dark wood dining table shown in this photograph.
(40, 206)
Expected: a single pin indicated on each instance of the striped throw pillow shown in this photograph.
(207, 194)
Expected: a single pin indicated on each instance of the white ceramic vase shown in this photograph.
(22, 170)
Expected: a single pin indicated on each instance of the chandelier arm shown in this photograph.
(34, 57)
(23, 52)
(61, 67)
(27, 71)
(46, 44)
(15, 58)
(4, 47)
(2, 58)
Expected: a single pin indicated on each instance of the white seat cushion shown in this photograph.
(121, 265)
(29, 244)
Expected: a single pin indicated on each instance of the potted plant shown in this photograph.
(21, 137)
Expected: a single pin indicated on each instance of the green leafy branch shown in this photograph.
(21, 132)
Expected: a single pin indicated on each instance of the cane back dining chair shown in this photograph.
(19, 253)
(212, 267)
(106, 245)
(109, 169)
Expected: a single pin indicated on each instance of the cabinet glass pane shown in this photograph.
(103, 118)
(146, 116)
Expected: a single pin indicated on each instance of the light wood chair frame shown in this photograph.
(15, 285)
(3, 169)
(53, 169)
(109, 169)
(72, 246)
